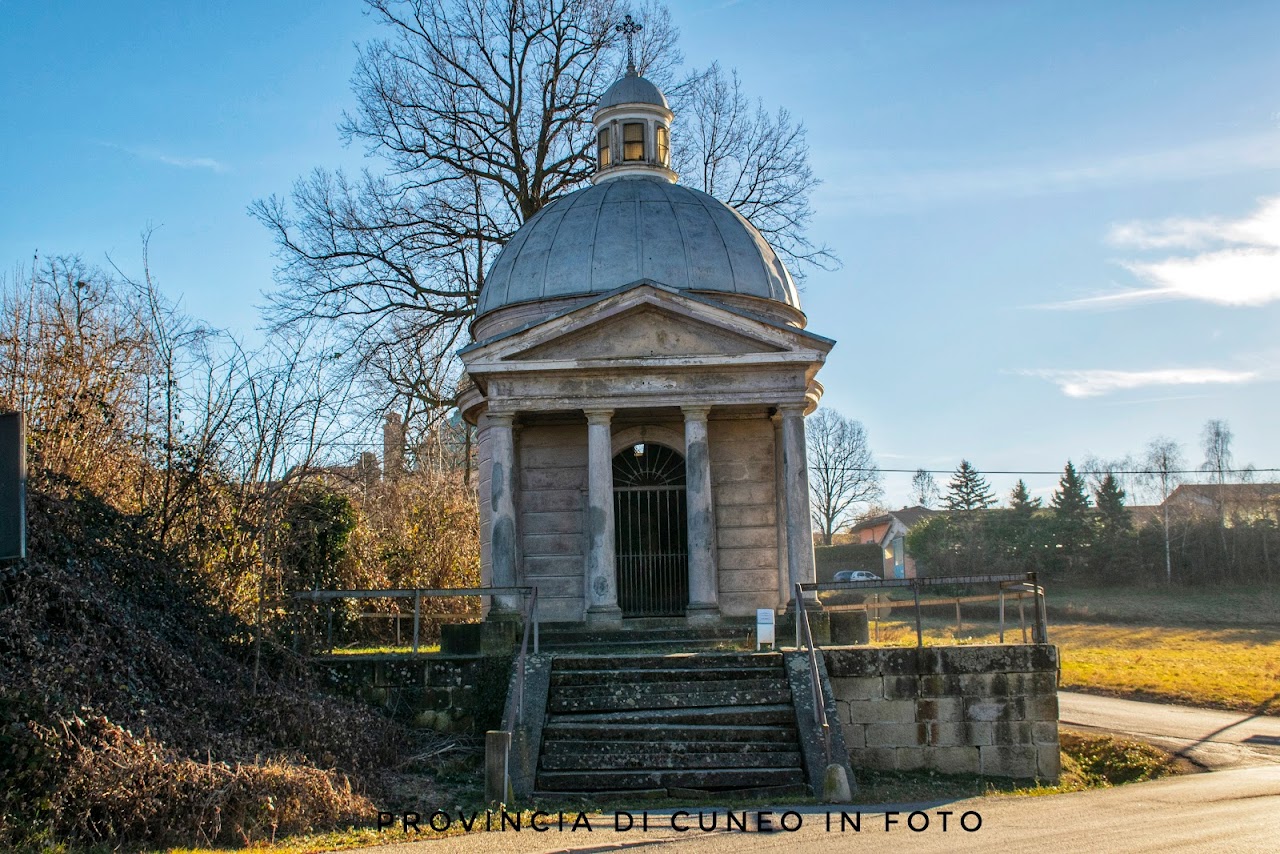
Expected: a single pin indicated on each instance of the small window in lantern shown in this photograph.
(664, 146)
(604, 155)
(633, 141)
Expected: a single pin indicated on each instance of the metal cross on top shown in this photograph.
(629, 28)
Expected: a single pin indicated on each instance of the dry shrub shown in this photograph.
(118, 788)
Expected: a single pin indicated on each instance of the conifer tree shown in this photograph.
(1070, 505)
(1021, 501)
(969, 490)
(1070, 501)
(1112, 513)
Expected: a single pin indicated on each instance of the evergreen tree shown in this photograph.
(1070, 505)
(1071, 501)
(968, 490)
(1020, 500)
(1112, 514)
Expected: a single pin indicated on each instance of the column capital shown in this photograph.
(695, 412)
(786, 409)
(501, 419)
(598, 416)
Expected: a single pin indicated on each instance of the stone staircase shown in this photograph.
(672, 725)
(646, 635)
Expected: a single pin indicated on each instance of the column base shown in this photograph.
(604, 615)
(702, 615)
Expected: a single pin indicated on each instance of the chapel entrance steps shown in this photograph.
(670, 725)
(641, 635)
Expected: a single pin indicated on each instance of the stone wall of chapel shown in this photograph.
(551, 512)
(742, 486)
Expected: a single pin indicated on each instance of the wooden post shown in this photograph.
(959, 625)
(1022, 615)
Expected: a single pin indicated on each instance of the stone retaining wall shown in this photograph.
(450, 693)
(989, 710)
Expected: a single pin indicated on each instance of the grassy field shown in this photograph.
(1211, 647)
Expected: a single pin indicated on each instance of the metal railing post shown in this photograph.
(1002, 612)
(417, 617)
(915, 589)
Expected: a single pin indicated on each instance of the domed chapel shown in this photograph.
(639, 377)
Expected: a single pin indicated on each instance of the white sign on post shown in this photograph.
(764, 627)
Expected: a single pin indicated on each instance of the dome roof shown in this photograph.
(633, 89)
(612, 234)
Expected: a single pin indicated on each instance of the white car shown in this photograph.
(855, 575)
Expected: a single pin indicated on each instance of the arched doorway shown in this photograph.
(650, 531)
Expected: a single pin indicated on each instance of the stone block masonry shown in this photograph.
(449, 693)
(990, 710)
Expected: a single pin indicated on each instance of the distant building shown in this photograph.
(1238, 502)
(889, 532)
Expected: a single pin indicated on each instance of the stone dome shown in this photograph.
(633, 89)
(613, 234)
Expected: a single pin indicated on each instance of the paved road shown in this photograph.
(1211, 739)
(1230, 811)
(1236, 810)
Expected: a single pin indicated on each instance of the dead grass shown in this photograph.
(1221, 668)
(1209, 606)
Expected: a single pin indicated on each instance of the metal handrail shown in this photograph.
(513, 718)
(819, 700)
(417, 594)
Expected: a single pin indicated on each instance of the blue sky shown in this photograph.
(1059, 221)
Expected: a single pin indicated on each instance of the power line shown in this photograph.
(1059, 471)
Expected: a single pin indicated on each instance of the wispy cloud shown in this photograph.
(1225, 262)
(884, 181)
(179, 161)
(1093, 383)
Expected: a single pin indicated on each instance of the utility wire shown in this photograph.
(1058, 471)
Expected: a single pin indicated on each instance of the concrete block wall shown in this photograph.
(990, 710)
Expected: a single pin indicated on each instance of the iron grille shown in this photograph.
(651, 531)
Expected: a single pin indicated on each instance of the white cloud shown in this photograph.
(1225, 262)
(1092, 383)
(880, 180)
(191, 162)
(179, 161)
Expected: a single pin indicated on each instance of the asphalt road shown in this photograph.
(1230, 811)
(1233, 810)
(1210, 739)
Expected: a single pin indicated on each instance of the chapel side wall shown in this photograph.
(990, 709)
(553, 483)
(742, 486)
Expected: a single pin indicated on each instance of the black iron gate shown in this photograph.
(651, 531)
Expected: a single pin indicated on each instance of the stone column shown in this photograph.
(600, 589)
(785, 590)
(704, 581)
(795, 476)
(502, 507)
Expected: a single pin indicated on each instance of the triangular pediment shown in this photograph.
(647, 332)
(645, 323)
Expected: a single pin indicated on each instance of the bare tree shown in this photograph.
(1162, 462)
(924, 489)
(842, 471)
(735, 150)
(478, 112)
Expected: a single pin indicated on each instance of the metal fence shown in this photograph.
(1016, 588)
